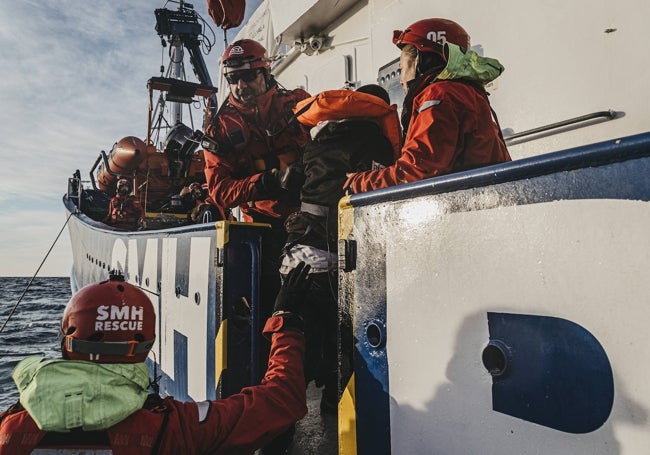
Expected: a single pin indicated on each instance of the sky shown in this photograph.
(74, 76)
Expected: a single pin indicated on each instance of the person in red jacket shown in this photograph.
(253, 147)
(447, 120)
(96, 397)
(125, 210)
(254, 144)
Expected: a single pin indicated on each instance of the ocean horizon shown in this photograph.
(33, 329)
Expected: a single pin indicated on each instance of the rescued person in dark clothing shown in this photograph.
(350, 131)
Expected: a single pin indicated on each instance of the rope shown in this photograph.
(13, 310)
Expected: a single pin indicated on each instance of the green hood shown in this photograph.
(65, 394)
(467, 64)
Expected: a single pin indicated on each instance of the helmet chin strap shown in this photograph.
(269, 81)
(428, 62)
(113, 348)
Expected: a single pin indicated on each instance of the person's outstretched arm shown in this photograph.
(246, 421)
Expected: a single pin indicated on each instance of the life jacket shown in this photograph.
(71, 404)
(226, 13)
(350, 132)
(348, 104)
(139, 434)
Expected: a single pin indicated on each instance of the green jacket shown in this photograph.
(467, 64)
(65, 394)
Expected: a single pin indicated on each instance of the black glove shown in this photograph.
(268, 183)
(289, 179)
(293, 291)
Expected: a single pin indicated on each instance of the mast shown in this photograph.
(176, 72)
(183, 29)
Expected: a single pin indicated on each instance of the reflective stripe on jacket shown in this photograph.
(448, 124)
(451, 129)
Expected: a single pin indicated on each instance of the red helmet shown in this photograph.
(108, 322)
(245, 54)
(428, 34)
(123, 183)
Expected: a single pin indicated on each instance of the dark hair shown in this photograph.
(374, 89)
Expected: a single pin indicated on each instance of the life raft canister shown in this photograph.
(125, 156)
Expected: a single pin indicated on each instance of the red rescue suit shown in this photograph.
(238, 424)
(253, 139)
(450, 129)
(124, 212)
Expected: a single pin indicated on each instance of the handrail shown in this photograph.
(609, 114)
(74, 188)
(255, 311)
(102, 157)
(92, 169)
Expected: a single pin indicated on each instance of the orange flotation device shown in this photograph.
(126, 155)
(348, 104)
(226, 13)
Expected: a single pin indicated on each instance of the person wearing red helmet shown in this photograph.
(253, 151)
(96, 398)
(254, 145)
(124, 209)
(447, 120)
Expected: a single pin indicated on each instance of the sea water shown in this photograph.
(33, 329)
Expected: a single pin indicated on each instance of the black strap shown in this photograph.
(479, 88)
(293, 118)
(76, 436)
(155, 403)
(295, 242)
(122, 348)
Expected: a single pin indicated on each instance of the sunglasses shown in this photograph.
(246, 76)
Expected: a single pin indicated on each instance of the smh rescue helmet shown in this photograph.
(108, 322)
(245, 54)
(429, 35)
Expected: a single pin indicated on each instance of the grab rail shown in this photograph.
(74, 188)
(255, 311)
(609, 115)
(102, 157)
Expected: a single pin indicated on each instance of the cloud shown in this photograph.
(77, 83)
(35, 230)
(74, 84)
